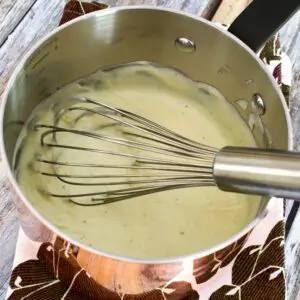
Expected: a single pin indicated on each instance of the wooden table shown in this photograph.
(22, 23)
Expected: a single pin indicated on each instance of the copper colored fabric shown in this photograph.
(257, 270)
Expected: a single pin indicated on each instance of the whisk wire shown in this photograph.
(132, 144)
(171, 161)
(157, 130)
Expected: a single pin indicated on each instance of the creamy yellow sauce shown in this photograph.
(161, 225)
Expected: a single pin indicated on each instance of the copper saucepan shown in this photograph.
(193, 45)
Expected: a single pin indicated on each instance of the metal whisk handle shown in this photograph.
(267, 172)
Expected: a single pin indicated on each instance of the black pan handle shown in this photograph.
(261, 19)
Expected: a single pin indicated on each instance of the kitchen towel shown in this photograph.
(252, 269)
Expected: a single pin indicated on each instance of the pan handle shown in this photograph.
(262, 18)
(265, 172)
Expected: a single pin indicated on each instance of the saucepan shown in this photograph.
(201, 50)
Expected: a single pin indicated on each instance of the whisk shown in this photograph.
(148, 158)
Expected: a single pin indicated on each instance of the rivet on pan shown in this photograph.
(259, 104)
(185, 45)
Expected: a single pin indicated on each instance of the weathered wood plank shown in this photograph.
(290, 34)
(8, 232)
(191, 6)
(11, 14)
(42, 18)
(292, 252)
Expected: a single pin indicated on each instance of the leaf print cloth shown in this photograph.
(249, 269)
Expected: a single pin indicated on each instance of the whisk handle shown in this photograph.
(273, 173)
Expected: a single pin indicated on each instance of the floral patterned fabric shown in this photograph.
(250, 269)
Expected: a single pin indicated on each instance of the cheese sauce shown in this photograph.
(161, 225)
